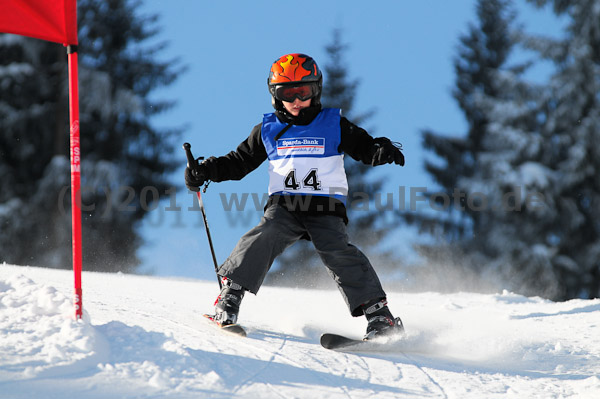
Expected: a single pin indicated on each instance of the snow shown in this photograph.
(145, 337)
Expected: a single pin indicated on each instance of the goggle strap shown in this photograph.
(282, 131)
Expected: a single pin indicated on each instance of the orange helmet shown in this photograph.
(295, 70)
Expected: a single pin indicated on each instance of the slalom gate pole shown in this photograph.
(191, 163)
(75, 177)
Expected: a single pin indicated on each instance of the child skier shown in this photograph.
(304, 145)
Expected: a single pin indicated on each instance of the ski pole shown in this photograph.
(191, 163)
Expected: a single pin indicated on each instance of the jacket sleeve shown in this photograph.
(237, 164)
(356, 142)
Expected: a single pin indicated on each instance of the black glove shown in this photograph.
(387, 152)
(194, 178)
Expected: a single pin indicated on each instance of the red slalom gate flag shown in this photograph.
(56, 21)
(52, 20)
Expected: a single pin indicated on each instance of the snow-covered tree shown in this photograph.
(525, 177)
(486, 213)
(482, 58)
(124, 158)
(571, 130)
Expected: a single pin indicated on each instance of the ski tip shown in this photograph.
(336, 341)
(234, 329)
(326, 341)
(342, 343)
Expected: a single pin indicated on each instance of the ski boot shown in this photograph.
(380, 321)
(227, 305)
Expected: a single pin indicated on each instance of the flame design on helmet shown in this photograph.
(292, 68)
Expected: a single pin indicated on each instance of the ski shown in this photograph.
(234, 329)
(343, 343)
(336, 341)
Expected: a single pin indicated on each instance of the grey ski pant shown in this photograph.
(256, 251)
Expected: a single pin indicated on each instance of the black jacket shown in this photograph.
(355, 142)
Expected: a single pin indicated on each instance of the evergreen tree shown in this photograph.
(530, 158)
(124, 158)
(483, 51)
(571, 128)
(486, 225)
(300, 263)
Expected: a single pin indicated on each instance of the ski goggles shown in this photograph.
(289, 93)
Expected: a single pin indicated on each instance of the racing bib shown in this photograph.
(305, 159)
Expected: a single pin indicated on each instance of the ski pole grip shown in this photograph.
(191, 162)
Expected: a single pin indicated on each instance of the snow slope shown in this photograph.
(144, 337)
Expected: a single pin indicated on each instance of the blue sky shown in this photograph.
(401, 51)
